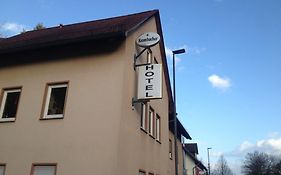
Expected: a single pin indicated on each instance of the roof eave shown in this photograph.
(55, 43)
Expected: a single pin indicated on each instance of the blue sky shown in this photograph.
(229, 82)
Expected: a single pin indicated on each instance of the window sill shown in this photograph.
(143, 130)
(51, 118)
(151, 136)
(158, 141)
(4, 120)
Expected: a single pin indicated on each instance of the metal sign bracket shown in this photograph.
(134, 101)
(136, 56)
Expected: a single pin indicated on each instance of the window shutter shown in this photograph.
(44, 170)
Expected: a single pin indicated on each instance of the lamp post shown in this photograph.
(209, 168)
(175, 52)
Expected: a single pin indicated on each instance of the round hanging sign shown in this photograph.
(148, 39)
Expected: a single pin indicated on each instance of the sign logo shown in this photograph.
(149, 82)
(148, 39)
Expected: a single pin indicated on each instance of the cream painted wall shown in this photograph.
(180, 156)
(137, 150)
(81, 143)
(100, 133)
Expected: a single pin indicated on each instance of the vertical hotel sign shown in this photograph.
(149, 75)
(149, 82)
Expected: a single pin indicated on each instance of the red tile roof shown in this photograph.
(117, 26)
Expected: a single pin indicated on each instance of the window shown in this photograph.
(44, 169)
(170, 149)
(141, 172)
(9, 104)
(143, 116)
(157, 127)
(151, 121)
(2, 169)
(55, 100)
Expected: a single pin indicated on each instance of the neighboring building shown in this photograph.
(66, 102)
(192, 165)
(182, 133)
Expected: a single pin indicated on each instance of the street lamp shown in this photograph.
(209, 168)
(175, 52)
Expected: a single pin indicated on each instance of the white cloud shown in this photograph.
(216, 154)
(269, 146)
(273, 134)
(245, 146)
(12, 28)
(219, 82)
(236, 157)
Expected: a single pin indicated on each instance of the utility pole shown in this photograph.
(209, 167)
(175, 52)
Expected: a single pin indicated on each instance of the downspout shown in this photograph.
(183, 157)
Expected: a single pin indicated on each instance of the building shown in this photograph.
(192, 165)
(66, 101)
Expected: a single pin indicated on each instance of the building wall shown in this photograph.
(180, 156)
(189, 164)
(84, 141)
(100, 132)
(137, 150)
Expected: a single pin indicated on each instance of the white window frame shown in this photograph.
(143, 116)
(48, 97)
(3, 166)
(170, 149)
(157, 129)
(3, 103)
(34, 166)
(151, 116)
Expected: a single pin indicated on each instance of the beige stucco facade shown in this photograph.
(180, 156)
(100, 132)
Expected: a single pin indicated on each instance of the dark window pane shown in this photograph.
(57, 99)
(11, 105)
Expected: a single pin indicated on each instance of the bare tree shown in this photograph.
(277, 168)
(258, 163)
(222, 168)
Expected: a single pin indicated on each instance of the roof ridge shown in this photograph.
(87, 22)
(89, 30)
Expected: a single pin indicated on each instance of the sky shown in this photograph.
(228, 82)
